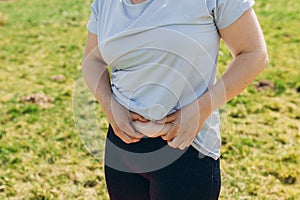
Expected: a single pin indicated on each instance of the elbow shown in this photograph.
(264, 59)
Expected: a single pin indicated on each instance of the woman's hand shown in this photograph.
(120, 121)
(187, 122)
(136, 117)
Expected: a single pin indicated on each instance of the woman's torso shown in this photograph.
(162, 54)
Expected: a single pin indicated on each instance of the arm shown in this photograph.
(96, 76)
(250, 57)
(245, 40)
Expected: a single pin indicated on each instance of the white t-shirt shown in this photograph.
(163, 54)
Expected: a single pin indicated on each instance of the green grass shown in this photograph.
(41, 154)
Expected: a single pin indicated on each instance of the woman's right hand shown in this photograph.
(120, 120)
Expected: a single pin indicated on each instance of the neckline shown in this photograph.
(129, 3)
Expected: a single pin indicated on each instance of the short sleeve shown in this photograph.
(93, 21)
(228, 11)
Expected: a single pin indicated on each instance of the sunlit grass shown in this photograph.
(41, 154)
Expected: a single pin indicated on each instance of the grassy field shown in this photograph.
(41, 154)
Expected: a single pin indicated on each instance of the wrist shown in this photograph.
(205, 105)
(106, 106)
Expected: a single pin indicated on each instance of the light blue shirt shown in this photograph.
(163, 54)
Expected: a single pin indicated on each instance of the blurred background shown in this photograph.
(42, 155)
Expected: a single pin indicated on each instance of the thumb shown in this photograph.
(135, 116)
(168, 119)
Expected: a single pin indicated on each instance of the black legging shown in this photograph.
(189, 177)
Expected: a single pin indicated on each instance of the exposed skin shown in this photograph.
(180, 128)
(137, 1)
(151, 129)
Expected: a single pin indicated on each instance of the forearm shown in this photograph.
(241, 72)
(96, 76)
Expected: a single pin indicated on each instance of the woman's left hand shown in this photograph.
(187, 122)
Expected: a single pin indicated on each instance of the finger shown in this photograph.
(132, 141)
(130, 131)
(168, 119)
(184, 145)
(172, 132)
(188, 140)
(175, 142)
(125, 138)
(135, 116)
(180, 143)
(129, 140)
